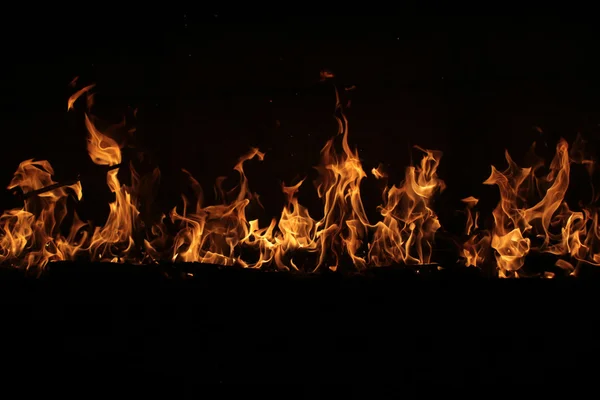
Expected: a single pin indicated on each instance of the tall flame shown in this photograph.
(344, 219)
(114, 240)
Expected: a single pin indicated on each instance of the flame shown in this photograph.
(344, 223)
(326, 74)
(531, 216)
(30, 236)
(115, 239)
(409, 224)
(512, 222)
(476, 247)
(78, 94)
(212, 234)
(297, 230)
(378, 172)
(548, 226)
(471, 220)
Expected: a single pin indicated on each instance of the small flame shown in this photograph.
(475, 249)
(378, 172)
(77, 95)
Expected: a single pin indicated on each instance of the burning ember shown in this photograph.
(531, 217)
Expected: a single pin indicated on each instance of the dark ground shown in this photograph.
(105, 326)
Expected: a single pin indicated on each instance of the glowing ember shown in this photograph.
(531, 216)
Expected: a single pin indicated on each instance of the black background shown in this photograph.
(208, 85)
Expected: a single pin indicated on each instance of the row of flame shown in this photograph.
(221, 234)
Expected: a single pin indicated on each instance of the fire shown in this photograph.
(408, 228)
(531, 216)
(344, 224)
(547, 226)
(213, 234)
(114, 240)
(29, 236)
(78, 94)
(297, 230)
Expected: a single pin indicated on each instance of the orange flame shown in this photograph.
(212, 234)
(78, 94)
(29, 237)
(114, 240)
(519, 229)
(475, 249)
(407, 231)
